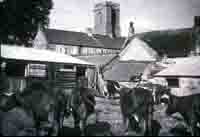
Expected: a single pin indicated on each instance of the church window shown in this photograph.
(100, 17)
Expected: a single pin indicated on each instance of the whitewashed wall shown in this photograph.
(138, 50)
(187, 86)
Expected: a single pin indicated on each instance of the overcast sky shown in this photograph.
(77, 15)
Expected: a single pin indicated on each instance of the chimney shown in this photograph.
(197, 21)
(131, 30)
(89, 31)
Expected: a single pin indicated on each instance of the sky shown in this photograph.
(147, 15)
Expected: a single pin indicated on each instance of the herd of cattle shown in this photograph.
(40, 110)
(137, 107)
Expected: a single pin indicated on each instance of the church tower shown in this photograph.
(107, 19)
(196, 37)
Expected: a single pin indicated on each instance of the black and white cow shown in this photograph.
(188, 107)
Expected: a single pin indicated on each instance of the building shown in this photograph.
(107, 19)
(184, 77)
(23, 65)
(104, 39)
(156, 46)
(161, 44)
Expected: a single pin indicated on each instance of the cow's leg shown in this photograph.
(61, 121)
(134, 123)
(142, 125)
(77, 119)
(150, 118)
(195, 118)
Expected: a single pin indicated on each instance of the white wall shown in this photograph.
(138, 50)
(187, 86)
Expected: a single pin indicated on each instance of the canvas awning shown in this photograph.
(38, 55)
(189, 68)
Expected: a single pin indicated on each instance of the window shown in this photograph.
(60, 49)
(37, 70)
(100, 18)
(173, 82)
(71, 50)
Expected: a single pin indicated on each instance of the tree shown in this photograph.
(20, 20)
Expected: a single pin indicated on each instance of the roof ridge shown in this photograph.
(98, 41)
(65, 30)
(121, 37)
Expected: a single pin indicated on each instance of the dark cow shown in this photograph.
(136, 107)
(189, 108)
(111, 87)
(62, 107)
(82, 102)
(33, 113)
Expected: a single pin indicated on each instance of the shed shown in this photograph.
(183, 77)
(60, 68)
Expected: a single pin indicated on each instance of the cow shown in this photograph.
(82, 103)
(136, 106)
(160, 93)
(188, 107)
(33, 114)
(62, 107)
(112, 88)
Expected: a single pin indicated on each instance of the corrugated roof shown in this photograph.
(38, 55)
(189, 68)
(82, 39)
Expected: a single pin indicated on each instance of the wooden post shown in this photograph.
(51, 73)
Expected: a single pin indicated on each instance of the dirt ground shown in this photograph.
(109, 111)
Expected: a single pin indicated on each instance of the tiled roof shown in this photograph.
(174, 43)
(108, 42)
(82, 39)
(123, 71)
(70, 38)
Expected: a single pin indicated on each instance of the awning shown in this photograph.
(38, 55)
(189, 68)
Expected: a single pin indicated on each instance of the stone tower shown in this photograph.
(196, 36)
(107, 19)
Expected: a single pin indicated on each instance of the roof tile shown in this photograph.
(83, 39)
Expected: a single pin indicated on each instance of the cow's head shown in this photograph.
(162, 94)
